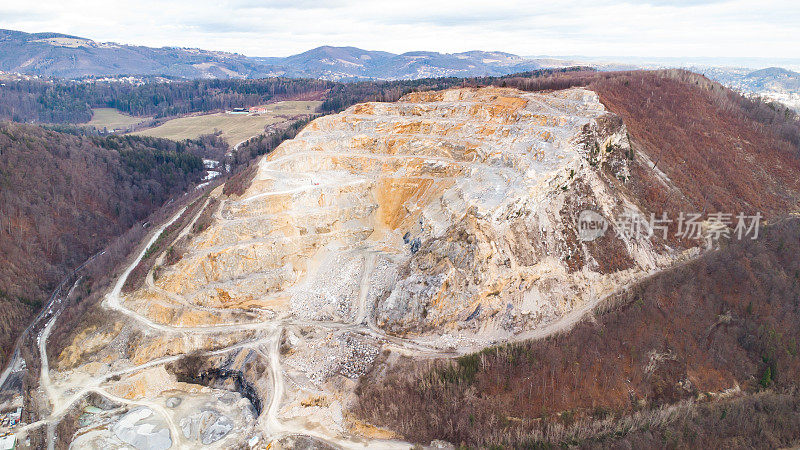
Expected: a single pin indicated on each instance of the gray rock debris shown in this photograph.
(139, 430)
(207, 426)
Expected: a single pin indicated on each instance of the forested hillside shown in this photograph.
(64, 196)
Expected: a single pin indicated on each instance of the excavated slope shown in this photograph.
(442, 211)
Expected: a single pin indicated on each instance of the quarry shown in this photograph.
(430, 227)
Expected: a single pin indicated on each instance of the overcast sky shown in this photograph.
(278, 28)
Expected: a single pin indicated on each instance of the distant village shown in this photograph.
(253, 111)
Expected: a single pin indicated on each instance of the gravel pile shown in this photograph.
(346, 354)
(332, 292)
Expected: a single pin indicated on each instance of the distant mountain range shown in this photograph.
(774, 83)
(61, 55)
(64, 56)
(769, 79)
(340, 63)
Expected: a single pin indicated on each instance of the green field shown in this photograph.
(235, 128)
(112, 119)
(293, 108)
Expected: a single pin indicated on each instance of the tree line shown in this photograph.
(65, 196)
(64, 101)
(68, 101)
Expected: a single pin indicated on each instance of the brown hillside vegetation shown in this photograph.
(63, 197)
(707, 142)
(728, 319)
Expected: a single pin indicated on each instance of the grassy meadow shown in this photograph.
(235, 128)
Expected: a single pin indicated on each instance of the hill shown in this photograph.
(775, 78)
(60, 55)
(715, 338)
(773, 83)
(714, 327)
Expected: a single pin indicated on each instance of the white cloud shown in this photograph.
(283, 27)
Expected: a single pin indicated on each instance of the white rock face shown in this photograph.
(450, 210)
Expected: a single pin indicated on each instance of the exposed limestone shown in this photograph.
(460, 196)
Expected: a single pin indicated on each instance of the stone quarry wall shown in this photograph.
(447, 212)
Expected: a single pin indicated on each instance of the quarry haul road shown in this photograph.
(272, 426)
(13, 363)
(59, 407)
(270, 423)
